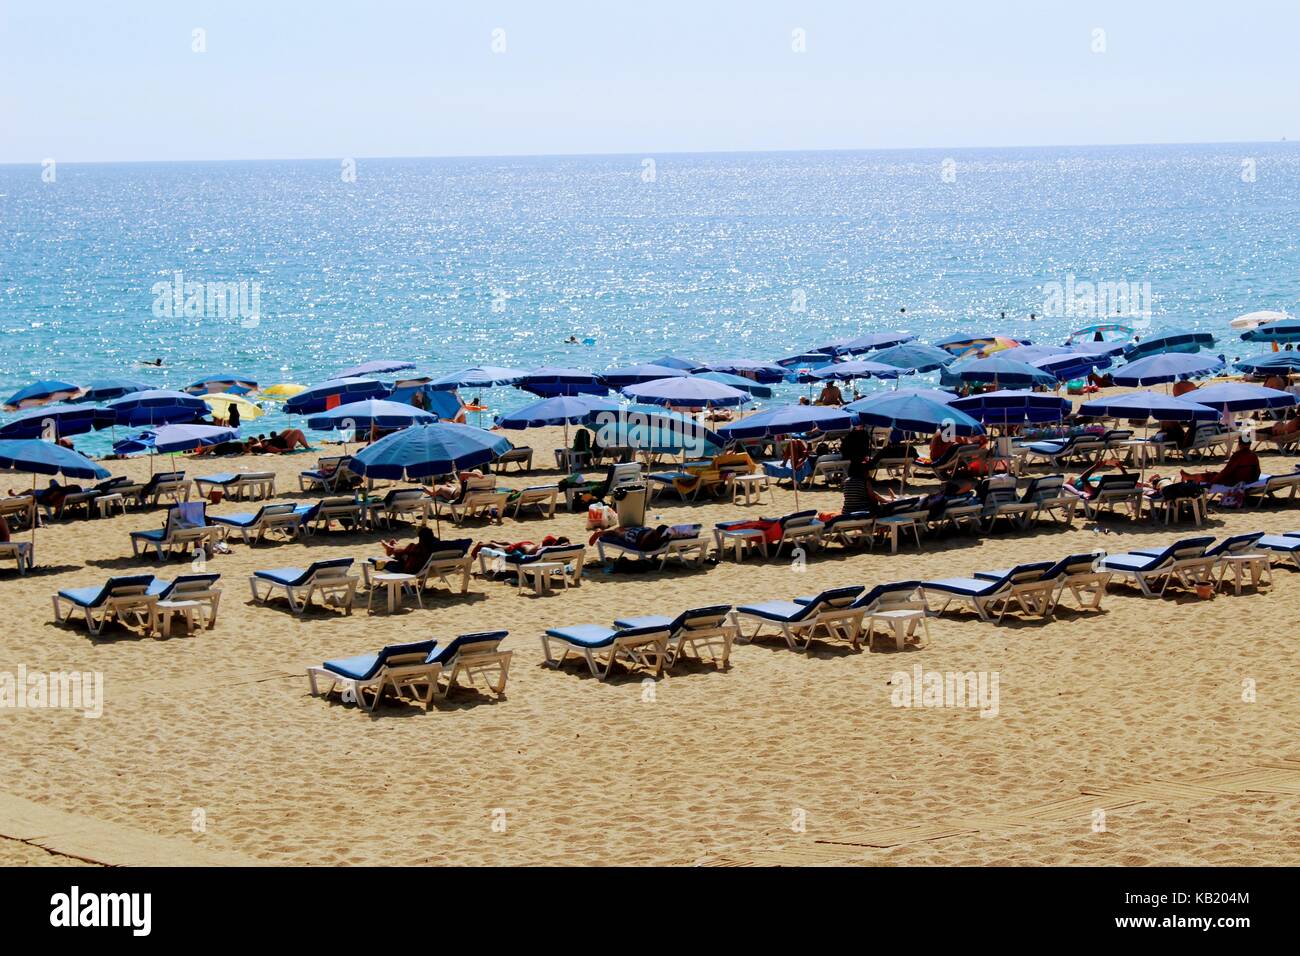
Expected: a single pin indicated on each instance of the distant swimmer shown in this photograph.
(157, 363)
(903, 309)
(571, 340)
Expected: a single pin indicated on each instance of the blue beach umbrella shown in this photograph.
(222, 382)
(425, 451)
(57, 421)
(335, 392)
(1170, 340)
(914, 413)
(1110, 349)
(1017, 407)
(914, 357)
(1140, 406)
(865, 343)
(687, 392)
(933, 394)
(637, 374)
(738, 382)
(1000, 370)
(41, 393)
(371, 369)
(1283, 330)
(765, 373)
(560, 380)
(788, 420)
(853, 369)
(559, 410)
(170, 439)
(46, 458)
(481, 376)
(651, 428)
(107, 389)
(677, 361)
(1165, 367)
(157, 406)
(1240, 397)
(370, 413)
(1281, 363)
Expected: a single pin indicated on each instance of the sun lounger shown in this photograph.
(19, 511)
(880, 604)
(1183, 561)
(254, 526)
(198, 588)
(645, 647)
(330, 578)
(411, 504)
(403, 667)
(1113, 491)
(1270, 487)
(1047, 493)
(896, 525)
(780, 471)
(520, 456)
(123, 598)
(830, 612)
(699, 629)
(344, 509)
(186, 530)
(161, 483)
(1209, 438)
(331, 473)
(1081, 447)
(999, 499)
(20, 551)
(965, 512)
(451, 558)
(559, 560)
(479, 498)
(542, 497)
(1022, 585)
(1076, 573)
(1282, 547)
(850, 530)
(473, 656)
(954, 459)
(690, 549)
(237, 486)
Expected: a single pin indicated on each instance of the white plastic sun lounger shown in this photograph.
(330, 578)
(602, 647)
(124, 598)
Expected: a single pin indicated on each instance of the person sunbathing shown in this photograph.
(1288, 427)
(830, 395)
(410, 558)
(1242, 467)
(51, 497)
(514, 550)
(287, 440)
(452, 490)
(1084, 486)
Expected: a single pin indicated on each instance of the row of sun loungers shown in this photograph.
(135, 600)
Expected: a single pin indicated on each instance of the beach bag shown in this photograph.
(601, 516)
(1234, 497)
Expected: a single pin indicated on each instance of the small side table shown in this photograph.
(752, 488)
(1255, 566)
(106, 503)
(540, 573)
(168, 609)
(903, 621)
(395, 584)
(740, 540)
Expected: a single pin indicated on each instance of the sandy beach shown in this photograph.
(210, 748)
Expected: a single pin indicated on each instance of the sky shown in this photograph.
(89, 81)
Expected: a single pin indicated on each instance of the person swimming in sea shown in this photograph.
(571, 340)
(157, 363)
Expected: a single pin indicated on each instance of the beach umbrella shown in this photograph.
(651, 428)
(563, 410)
(933, 394)
(914, 357)
(1014, 407)
(638, 374)
(865, 343)
(426, 451)
(559, 380)
(370, 369)
(41, 393)
(788, 420)
(222, 402)
(1070, 364)
(39, 457)
(156, 406)
(369, 414)
(1165, 367)
(1098, 333)
(961, 344)
(1170, 340)
(283, 390)
(852, 369)
(1109, 349)
(1253, 320)
(737, 381)
(53, 422)
(803, 360)
(335, 392)
(222, 382)
(1141, 406)
(687, 392)
(677, 361)
(107, 389)
(1000, 370)
(170, 439)
(481, 376)
(1240, 397)
(1281, 330)
(915, 413)
(1280, 363)
(765, 373)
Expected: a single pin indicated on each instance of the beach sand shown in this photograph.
(785, 758)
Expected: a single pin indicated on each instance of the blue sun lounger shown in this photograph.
(200, 588)
(1022, 585)
(830, 611)
(1076, 573)
(404, 667)
(707, 627)
(330, 578)
(881, 603)
(1183, 561)
(253, 526)
(120, 598)
(638, 646)
(1284, 547)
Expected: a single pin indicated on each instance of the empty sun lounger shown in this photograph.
(1022, 585)
(1081, 447)
(1076, 573)
(124, 598)
(1048, 494)
(830, 612)
(1271, 487)
(1113, 491)
(473, 656)
(883, 604)
(330, 578)
(19, 511)
(162, 483)
(603, 647)
(331, 473)
(852, 529)
(542, 497)
(199, 588)
(1183, 561)
(688, 547)
(698, 630)
(238, 485)
(254, 526)
(521, 457)
(1000, 500)
(344, 509)
(19, 551)
(187, 529)
(402, 667)
(1281, 547)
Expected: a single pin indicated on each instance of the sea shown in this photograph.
(597, 261)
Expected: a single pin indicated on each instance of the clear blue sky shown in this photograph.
(89, 80)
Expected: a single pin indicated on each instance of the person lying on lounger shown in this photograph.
(515, 550)
(1242, 467)
(287, 440)
(452, 490)
(410, 558)
(1289, 427)
(53, 496)
(1084, 486)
